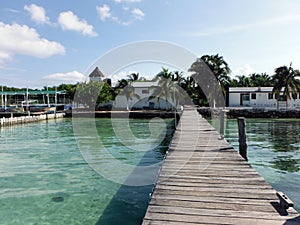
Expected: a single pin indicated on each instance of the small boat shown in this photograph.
(42, 109)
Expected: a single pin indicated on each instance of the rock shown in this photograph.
(57, 199)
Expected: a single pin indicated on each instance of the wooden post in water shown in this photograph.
(242, 137)
(222, 124)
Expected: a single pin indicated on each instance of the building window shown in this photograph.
(253, 96)
(145, 91)
(270, 96)
(245, 97)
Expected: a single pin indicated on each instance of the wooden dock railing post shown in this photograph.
(242, 137)
(222, 124)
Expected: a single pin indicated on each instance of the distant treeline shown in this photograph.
(285, 78)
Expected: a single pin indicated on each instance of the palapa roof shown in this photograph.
(96, 73)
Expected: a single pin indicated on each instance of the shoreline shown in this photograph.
(207, 112)
(137, 114)
(250, 112)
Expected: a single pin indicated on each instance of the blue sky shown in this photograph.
(50, 42)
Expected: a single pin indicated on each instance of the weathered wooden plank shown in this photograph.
(262, 191)
(205, 181)
(215, 185)
(233, 194)
(184, 219)
(204, 177)
(216, 200)
(213, 205)
(216, 212)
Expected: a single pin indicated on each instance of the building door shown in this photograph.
(151, 105)
(245, 99)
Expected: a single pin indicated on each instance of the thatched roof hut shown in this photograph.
(96, 75)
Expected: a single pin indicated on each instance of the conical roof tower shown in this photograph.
(96, 75)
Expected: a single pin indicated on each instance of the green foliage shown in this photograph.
(173, 86)
(253, 80)
(106, 94)
(69, 88)
(218, 66)
(286, 79)
(93, 93)
(133, 77)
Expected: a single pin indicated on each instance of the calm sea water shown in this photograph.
(273, 151)
(45, 180)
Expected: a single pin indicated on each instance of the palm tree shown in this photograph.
(260, 80)
(244, 81)
(129, 94)
(286, 78)
(121, 84)
(164, 74)
(168, 90)
(133, 77)
(218, 66)
(194, 91)
(234, 83)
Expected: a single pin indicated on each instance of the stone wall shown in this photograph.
(251, 113)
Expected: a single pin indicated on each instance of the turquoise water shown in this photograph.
(45, 180)
(274, 151)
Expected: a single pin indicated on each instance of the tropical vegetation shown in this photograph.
(285, 82)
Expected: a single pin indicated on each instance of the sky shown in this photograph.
(55, 41)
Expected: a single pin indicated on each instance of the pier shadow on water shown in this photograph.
(129, 204)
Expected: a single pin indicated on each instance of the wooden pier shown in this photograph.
(28, 119)
(205, 181)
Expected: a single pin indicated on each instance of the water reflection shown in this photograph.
(286, 164)
(273, 150)
(284, 135)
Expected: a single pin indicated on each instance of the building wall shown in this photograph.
(96, 79)
(143, 102)
(234, 99)
(261, 101)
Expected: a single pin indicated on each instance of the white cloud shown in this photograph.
(119, 76)
(21, 39)
(37, 13)
(239, 27)
(104, 12)
(69, 21)
(69, 77)
(11, 10)
(243, 70)
(138, 13)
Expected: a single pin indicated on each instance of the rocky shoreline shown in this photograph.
(251, 112)
(138, 114)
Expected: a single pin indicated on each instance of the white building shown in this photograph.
(259, 97)
(143, 98)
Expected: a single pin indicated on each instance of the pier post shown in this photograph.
(242, 137)
(222, 124)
